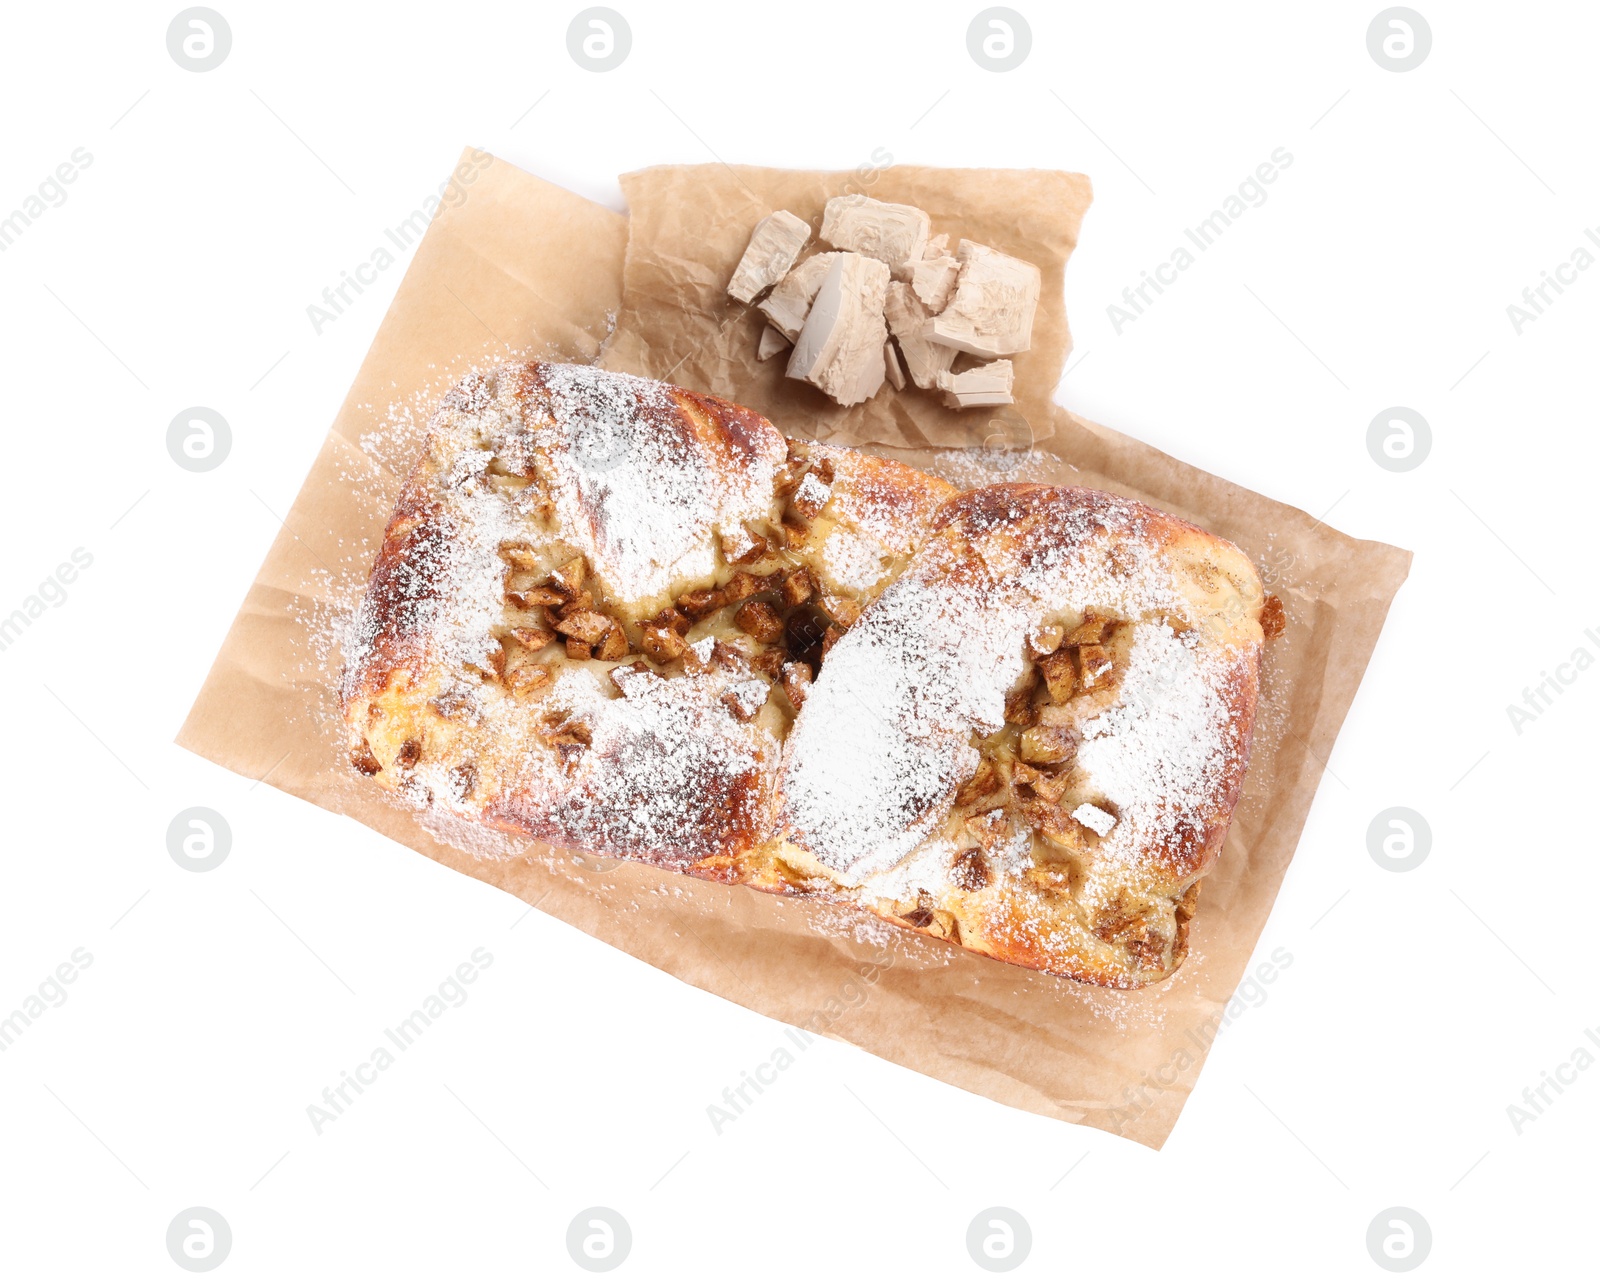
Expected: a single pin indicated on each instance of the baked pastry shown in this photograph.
(618, 616)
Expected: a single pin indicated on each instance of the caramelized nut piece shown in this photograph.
(1051, 787)
(663, 644)
(730, 656)
(742, 586)
(796, 683)
(1060, 676)
(584, 625)
(529, 677)
(841, 609)
(1273, 618)
(410, 754)
(811, 496)
(579, 649)
(769, 661)
(623, 677)
(1046, 640)
(463, 780)
(1094, 666)
(757, 618)
(535, 596)
(532, 638)
(1019, 702)
(568, 580)
(1047, 745)
(985, 782)
(670, 617)
(571, 740)
(1058, 828)
(747, 698)
(613, 645)
(743, 547)
(988, 827)
(970, 871)
(1091, 631)
(363, 759)
(697, 604)
(797, 587)
(697, 657)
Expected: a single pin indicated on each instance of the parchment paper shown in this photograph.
(520, 268)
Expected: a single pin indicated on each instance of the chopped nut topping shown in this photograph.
(613, 645)
(584, 625)
(757, 618)
(1046, 640)
(1051, 787)
(988, 827)
(571, 740)
(669, 617)
(705, 600)
(625, 677)
(1058, 828)
(841, 609)
(1060, 676)
(742, 586)
(811, 497)
(1273, 618)
(792, 535)
(519, 556)
(797, 587)
(985, 782)
(1091, 631)
(1047, 745)
(970, 871)
(769, 661)
(697, 657)
(363, 759)
(463, 780)
(1094, 665)
(529, 677)
(581, 600)
(532, 638)
(663, 644)
(1020, 709)
(568, 580)
(410, 754)
(730, 656)
(534, 597)
(796, 683)
(747, 698)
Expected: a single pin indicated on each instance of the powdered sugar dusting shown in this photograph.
(887, 734)
(641, 493)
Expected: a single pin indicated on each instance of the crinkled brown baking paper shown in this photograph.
(521, 265)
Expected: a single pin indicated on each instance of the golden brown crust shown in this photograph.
(619, 616)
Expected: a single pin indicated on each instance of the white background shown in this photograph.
(1419, 1005)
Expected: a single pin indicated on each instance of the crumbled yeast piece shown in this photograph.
(893, 234)
(840, 350)
(774, 245)
(981, 385)
(992, 311)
